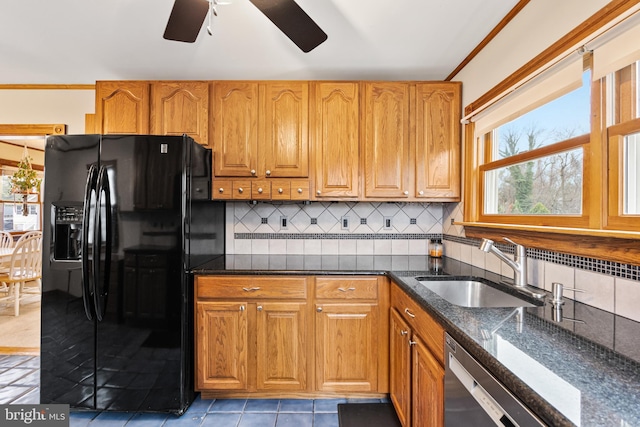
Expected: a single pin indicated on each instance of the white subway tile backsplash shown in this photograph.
(599, 289)
(329, 247)
(313, 247)
(559, 273)
(465, 254)
(627, 298)
(399, 247)
(493, 264)
(277, 246)
(535, 276)
(348, 247)
(260, 247)
(478, 258)
(364, 247)
(242, 246)
(418, 247)
(295, 246)
(382, 247)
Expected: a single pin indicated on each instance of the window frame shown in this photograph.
(599, 234)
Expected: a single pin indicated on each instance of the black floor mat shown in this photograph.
(367, 415)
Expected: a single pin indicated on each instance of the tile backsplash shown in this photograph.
(374, 228)
(606, 285)
(332, 228)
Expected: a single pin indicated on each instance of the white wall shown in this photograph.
(540, 24)
(47, 106)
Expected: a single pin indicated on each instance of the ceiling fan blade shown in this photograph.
(293, 22)
(186, 20)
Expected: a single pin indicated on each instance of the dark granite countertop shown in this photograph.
(583, 370)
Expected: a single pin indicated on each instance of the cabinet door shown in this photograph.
(181, 107)
(385, 146)
(221, 346)
(346, 349)
(400, 367)
(122, 107)
(336, 128)
(438, 141)
(428, 388)
(235, 128)
(284, 128)
(281, 346)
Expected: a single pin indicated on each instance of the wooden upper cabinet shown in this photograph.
(122, 107)
(336, 139)
(438, 141)
(235, 128)
(284, 140)
(385, 146)
(181, 107)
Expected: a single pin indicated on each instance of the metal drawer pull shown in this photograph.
(221, 190)
(260, 190)
(319, 309)
(412, 342)
(403, 333)
(345, 290)
(410, 314)
(251, 289)
(242, 308)
(300, 190)
(240, 190)
(280, 190)
(259, 308)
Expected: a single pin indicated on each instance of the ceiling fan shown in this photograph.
(187, 17)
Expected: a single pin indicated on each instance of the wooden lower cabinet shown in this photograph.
(291, 336)
(416, 344)
(281, 350)
(221, 345)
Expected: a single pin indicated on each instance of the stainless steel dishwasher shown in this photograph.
(473, 397)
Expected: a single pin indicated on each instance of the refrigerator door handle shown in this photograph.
(88, 258)
(103, 224)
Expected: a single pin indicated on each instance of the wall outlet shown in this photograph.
(344, 223)
(387, 222)
(284, 223)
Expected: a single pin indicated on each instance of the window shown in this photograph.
(11, 206)
(623, 140)
(559, 145)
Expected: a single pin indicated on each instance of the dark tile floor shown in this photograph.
(20, 377)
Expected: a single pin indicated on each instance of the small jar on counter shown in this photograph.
(435, 248)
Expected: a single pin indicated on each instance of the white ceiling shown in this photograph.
(81, 41)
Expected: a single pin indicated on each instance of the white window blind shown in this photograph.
(617, 48)
(554, 82)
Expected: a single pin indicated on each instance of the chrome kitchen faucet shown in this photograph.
(518, 264)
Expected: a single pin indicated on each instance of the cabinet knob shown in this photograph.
(268, 172)
(421, 193)
(319, 309)
(253, 289)
(240, 190)
(318, 192)
(412, 342)
(220, 190)
(405, 192)
(299, 190)
(280, 190)
(253, 171)
(259, 308)
(347, 289)
(409, 313)
(403, 333)
(242, 308)
(260, 190)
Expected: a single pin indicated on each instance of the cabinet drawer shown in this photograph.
(420, 321)
(346, 288)
(280, 190)
(251, 287)
(300, 190)
(222, 189)
(260, 190)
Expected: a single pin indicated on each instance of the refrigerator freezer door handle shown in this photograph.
(103, 219)
(87, 258)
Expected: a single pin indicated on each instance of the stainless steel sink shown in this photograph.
(472, 293)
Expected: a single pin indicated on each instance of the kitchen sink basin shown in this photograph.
(471, 293)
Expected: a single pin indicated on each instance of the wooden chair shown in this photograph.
(6, 239)
(24, 272)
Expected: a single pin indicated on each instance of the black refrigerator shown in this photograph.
(125, 218)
